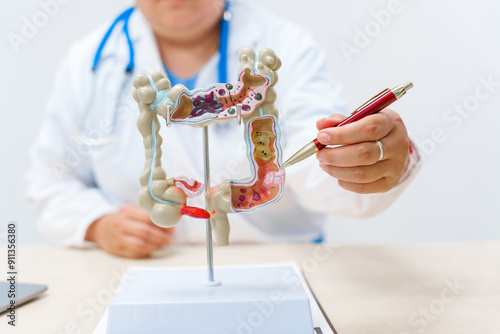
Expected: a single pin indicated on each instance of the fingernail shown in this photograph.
(324, 138)
(320, 157)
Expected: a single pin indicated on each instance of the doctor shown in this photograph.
(89, 154)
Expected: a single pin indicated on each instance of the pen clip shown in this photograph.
(369, 101)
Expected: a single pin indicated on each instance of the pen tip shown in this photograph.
(408, 85)
(400, 90)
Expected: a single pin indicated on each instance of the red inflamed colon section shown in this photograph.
(251, 195)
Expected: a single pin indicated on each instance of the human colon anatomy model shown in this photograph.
(250, 101)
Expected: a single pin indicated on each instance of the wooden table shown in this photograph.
(396, 289)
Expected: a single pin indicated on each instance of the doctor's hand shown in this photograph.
(356, 163)
(129, 232)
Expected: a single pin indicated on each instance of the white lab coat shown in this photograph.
(89, 154)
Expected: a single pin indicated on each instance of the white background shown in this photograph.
(444, 47)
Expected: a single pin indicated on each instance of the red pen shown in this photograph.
(372, 106)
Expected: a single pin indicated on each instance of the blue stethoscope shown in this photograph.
(125, 17)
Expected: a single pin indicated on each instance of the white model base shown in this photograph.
(257, 300)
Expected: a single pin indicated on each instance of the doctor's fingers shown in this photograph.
(135, 247)
(167, 230)
(134, 211)
(329, 122)
(360, 174)
(149, 234)
(362, 154)
(370, 128)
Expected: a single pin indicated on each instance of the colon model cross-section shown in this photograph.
(250, 100)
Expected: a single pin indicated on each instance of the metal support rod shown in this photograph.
(206, 159)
